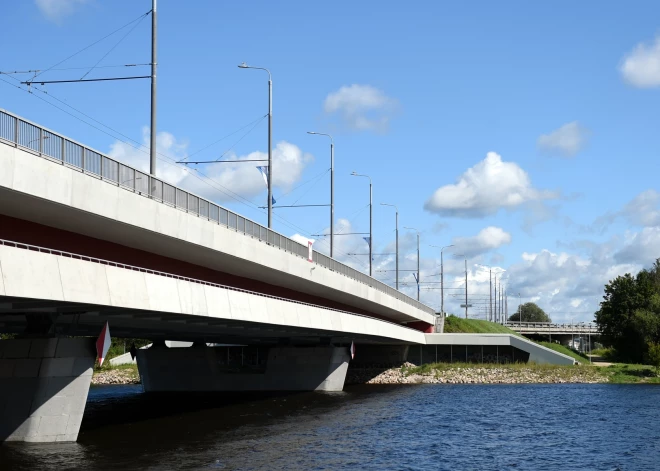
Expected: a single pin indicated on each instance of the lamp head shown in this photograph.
(243, 65)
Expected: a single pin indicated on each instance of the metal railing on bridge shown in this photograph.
(545, 327)
(29, 136)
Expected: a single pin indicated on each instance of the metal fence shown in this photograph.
(85, 258)
(550, 327)
(31, 137)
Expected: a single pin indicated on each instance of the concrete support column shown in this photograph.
(217, 369)
(43, 388)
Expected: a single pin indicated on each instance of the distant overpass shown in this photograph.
(544, 328)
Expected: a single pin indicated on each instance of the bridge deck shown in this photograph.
(92, 195)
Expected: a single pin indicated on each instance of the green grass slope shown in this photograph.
(457, 325)
(565, 350)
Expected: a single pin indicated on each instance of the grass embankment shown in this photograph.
(566, 351)
(454, 324)
(457, 325)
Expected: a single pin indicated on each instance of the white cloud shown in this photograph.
(641, 66)
(486, 188)
(566, 141)
(289, 161)
(640, 247)
(644, 209)
(301, 239)
(361, 107)
(487, 239)
(56, 10)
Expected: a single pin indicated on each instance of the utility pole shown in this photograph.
(332, 189)
(490, 295)
(397, 241)
(270, 140)
(495, 304)
(466, 289)
(152, 140)
(418, 279)
(371, 221)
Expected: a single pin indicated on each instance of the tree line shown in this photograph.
(629, 316)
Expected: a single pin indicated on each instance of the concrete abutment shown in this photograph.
(44, 384)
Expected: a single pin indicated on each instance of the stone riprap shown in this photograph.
(476, 375)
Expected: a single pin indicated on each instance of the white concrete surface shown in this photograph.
(43, 388)
(43, 191)
(36, 275)
(287, 369)
(537, 353)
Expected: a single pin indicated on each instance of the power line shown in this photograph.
(94, 43)
(168, 160)
(115, 46)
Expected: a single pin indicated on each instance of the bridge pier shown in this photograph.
(43, 388)
(249, 368)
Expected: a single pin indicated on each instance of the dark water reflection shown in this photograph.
(603, 427)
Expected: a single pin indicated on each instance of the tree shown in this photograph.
(653, 355)
(530, 313)
(629, 314)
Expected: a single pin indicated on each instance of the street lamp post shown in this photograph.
(332, 189)
(418, 279)
(442, 278)
(371, 220)
(270, 141)
(466, 283)
(154, 63)
(397, 241)
(496, 319)
(519, 308)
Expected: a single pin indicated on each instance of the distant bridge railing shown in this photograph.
(548, 327)
(29, 136)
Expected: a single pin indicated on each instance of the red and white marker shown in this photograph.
(352, 350)
(103, 343)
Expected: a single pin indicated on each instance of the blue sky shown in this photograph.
(525, 134)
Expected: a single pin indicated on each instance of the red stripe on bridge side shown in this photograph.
(27, 232)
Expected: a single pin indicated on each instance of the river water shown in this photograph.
(411, 427)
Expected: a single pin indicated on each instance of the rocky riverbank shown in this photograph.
(116, 376)
(481, 374)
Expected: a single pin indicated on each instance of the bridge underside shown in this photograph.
(77, 319)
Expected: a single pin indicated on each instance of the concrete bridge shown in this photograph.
(86, 240)
(543, 328)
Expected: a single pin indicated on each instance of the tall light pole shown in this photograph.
(152, 141)
(495, 318)
(397, 241)
(442, 277)
(466, 283)
(418, 279)
(490, 295)
(371, 220)
(332, 189)
(270, 141)
(519, 307)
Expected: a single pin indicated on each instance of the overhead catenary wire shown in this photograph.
(163, 157)
(139, 18)
(115, 46)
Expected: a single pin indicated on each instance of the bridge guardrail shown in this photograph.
(55, 147)
(584, 328)
(100, 261)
